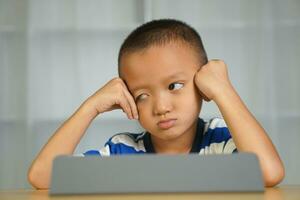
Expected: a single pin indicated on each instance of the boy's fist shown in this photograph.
(211, 79)
(114, 95)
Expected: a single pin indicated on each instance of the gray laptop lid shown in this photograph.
(156, 173)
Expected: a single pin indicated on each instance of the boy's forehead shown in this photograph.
(158, 63)
(153, 79)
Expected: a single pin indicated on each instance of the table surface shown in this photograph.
(276, 193)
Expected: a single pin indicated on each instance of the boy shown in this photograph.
(163, 76)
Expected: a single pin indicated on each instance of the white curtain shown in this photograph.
(54, 54)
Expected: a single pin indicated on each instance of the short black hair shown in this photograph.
(160, 32)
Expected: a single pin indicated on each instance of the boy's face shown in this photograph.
(161, 80)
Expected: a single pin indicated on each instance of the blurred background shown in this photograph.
(54, 54)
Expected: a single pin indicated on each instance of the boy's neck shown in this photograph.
(181, 145)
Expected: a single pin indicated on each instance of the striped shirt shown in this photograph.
(212, 137)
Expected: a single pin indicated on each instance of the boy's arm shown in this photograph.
(248, 135)
(113, 95)
(63, 142)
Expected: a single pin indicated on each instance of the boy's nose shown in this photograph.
(162, 105)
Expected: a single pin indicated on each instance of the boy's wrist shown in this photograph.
(224, 93)
(87, 108)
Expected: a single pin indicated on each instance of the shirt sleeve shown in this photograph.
(105, 151)
(122, 143)
(217, 138)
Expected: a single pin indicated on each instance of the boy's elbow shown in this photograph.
(37, 178)
(274, 177)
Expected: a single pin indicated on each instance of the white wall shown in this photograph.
(54, 54)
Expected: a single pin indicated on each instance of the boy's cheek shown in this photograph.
(196, 92)
(141, 113)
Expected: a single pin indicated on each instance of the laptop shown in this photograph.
(238, 172)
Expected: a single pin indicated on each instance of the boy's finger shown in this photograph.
(132, 104)
(126, 107)
(130, 100)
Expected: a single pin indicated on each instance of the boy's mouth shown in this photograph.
(166, 124)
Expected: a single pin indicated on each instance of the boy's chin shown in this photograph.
(166, 135)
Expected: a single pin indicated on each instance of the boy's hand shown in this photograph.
(211, 79)
(113, 95)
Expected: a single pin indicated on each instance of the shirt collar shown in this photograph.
(196, 144)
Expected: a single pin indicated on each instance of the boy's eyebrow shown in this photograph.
(173, 76)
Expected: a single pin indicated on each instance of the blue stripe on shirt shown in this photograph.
(216, 135)
(121, 148)
(92, 153)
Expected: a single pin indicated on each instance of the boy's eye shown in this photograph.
(175, 86)
(141, 97)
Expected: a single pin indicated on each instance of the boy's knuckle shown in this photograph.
(121, 96)
(221, 62)
(117, 81)
(114, 80)
(119, 87)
